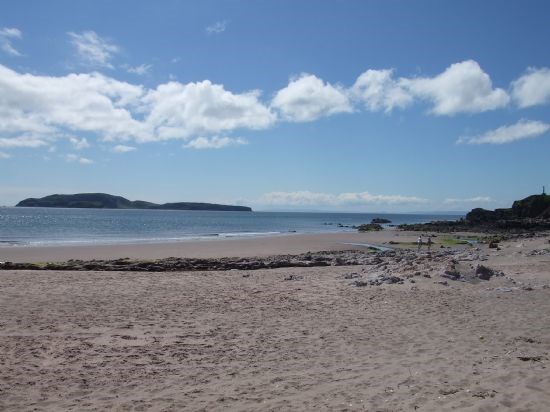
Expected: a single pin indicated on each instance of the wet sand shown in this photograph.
(282, 339)
(238, 247)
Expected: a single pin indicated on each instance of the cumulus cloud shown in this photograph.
(79, 144)
(307, 98)
(307, 198)
(50, 106)
(177, 110)
(72, 158)
(533, 88)
(217, 27)
(378, 90)
(93, 49)
(24, 141)
(523, 129)
(477, 199)
(214, 142)
(462, 88)
(120, 148)
(36, 109)
(140, 70)
(7, 34)
(4, 155)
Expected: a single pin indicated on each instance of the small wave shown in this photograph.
(140, 240)
(247, 234)
(12, 243)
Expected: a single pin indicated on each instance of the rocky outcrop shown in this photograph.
(529, 214)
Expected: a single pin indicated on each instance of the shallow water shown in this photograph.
(53, 226)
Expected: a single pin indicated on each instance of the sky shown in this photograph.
(360, 106)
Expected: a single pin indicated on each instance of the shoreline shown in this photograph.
(282, 244)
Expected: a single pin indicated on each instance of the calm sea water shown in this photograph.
(47, 226)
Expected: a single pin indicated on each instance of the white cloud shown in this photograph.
(7, 34)
(79, 144)
(379, 91)
(75, 158)
(184, 111)
(36, 111)
(43, 109)
(307, 198)
(533, 88)
(55, 106)
(93, 49)
(523, 129)
(24, 141)
(140, 70)
(217, 27)
(214, 142)
(120, 148)
(307, 98)
(477, 199)
(462, 88)
(4, 155)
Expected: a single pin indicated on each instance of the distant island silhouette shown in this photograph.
(106, 201)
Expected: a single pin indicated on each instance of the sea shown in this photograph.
(58, 226)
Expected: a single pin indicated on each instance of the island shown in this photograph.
(106, 201)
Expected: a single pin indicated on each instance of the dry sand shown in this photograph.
(253, 341)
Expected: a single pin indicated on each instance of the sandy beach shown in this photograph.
(310, 338)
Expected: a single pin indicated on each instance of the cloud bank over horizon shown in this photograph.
(361, 201)
(307, 198)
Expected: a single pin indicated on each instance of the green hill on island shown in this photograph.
(106, 201)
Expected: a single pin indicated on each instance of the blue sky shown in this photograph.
(325, 105)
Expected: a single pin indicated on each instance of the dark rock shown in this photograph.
(293, 277)
(485, 273)
(380, 220)
(527, 288)
(451, 274)
(369, 227)
(535, 358)
(377, 280)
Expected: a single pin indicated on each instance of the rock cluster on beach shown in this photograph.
(378, 267)
(337, 258)
(369, 227)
